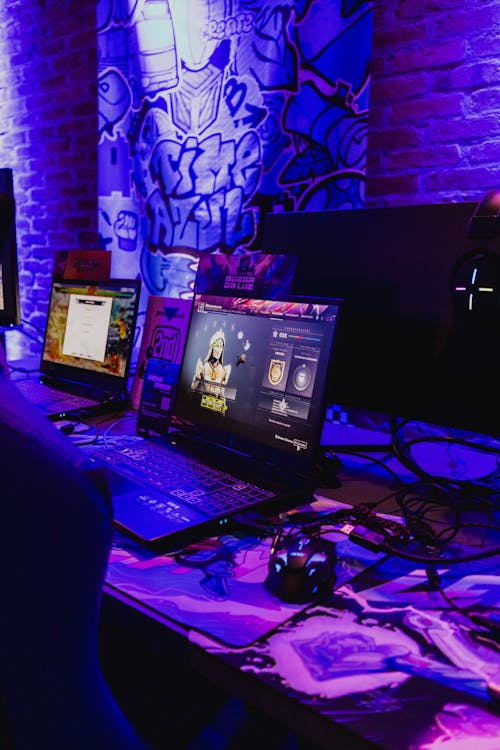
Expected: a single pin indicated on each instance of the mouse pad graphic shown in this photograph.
(216, 586)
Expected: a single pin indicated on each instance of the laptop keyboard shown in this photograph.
(51, 399)
(180, 476)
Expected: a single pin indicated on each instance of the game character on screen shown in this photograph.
(212, 369)
(122, 324)
(118, 350)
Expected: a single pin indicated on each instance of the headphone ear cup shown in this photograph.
(475, 286)
(475, 277)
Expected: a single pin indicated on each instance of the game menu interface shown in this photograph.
(258, 368)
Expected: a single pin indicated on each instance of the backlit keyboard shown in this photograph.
(179, 476)
(51, 399)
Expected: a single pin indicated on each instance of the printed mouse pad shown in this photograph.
(217, 586)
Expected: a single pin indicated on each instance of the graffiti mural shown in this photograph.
(212, 112)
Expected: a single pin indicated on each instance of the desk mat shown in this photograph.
(217, 589)
(388, 660)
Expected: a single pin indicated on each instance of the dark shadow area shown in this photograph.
(168, 702)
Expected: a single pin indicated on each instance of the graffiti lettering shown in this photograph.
(239, 225)
(160, 226)
(202, 190)
(213, 165)
(254, 118)
(241, 23)
(247, 169)
(205, 168)
(201, 223)
(164, 166)
(185, 230)
(234, 93)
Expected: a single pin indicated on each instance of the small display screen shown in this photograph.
(90, 326)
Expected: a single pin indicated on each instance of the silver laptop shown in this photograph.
(247, 422)
(87, 348)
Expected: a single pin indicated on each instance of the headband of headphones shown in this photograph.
(484, 221)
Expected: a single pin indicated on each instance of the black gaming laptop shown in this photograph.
(247, 421)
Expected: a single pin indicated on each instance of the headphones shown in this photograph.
(475, 277)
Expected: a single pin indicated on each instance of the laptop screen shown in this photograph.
(90, 331)
(256, 370)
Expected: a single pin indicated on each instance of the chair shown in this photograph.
(57, 530)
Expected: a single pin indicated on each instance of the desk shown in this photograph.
(385, 663)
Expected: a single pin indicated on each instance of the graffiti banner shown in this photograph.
(212, 112)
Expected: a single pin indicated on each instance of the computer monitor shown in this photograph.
(9, 284)
(419, 332)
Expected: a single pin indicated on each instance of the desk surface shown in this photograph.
(384, 663)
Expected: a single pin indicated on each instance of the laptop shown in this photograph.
(246, 426)
(87, 348)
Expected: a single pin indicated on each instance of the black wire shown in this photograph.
(395, 493)
(23, 370)
(474, 492)
(417, 510)
(474, 444)
(403, 451)
(440, 560)
(475, 619)
(451, 441)
(368, 457)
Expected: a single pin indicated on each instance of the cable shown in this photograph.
(402, 450)
(489, 624)
(466, 492)
(369, 530)
(417, 511)
(367, 456)
(23, 370)
(440, 560)
(112, 426)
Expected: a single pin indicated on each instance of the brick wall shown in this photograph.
(434, 130)
(48, 136)
(434, 124)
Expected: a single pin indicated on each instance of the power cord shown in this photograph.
(484, 489)
(336, 450)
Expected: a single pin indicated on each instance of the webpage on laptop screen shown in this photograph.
(90, 326)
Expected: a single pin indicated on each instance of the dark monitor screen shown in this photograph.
(9, 285)
(409, 344)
